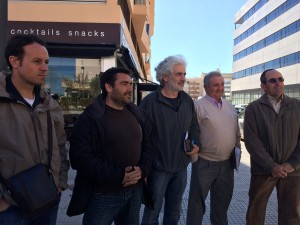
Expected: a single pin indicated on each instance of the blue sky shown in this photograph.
(201, 30)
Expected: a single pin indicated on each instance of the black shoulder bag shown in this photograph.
(34, 189)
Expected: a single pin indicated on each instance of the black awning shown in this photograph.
(80, 51)
(127, 58)
(147, 86)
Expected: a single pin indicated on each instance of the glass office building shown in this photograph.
(267, 35)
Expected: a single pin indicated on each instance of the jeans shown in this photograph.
(122, 208)
(216, 178)
(168, 186)
(13, 216)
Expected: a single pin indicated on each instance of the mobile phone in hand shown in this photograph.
(188, 145)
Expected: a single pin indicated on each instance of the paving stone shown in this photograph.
(237, 209)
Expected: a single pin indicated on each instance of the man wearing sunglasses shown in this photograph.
(271, 132)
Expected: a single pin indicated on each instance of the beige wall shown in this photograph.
(80, 12)
(194, 87)
(64, 11)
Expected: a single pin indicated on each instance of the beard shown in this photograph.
(175, 86)
(121, 99)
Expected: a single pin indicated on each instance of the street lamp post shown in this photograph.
(82, 81)
(3, 28)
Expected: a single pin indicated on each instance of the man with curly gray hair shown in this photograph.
(174, 121)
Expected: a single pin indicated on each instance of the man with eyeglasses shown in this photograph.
(271, 132)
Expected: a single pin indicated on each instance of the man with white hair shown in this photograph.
(174, 122)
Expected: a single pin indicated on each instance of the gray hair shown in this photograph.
(209, 76)
(166, 66)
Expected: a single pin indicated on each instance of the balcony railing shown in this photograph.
(67, 0)
(140, 2)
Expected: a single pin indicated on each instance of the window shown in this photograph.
(255, 8)
(291, 29)
(277, 36)
(68, 0)
(270, 17)
(148, 29)
(140, 2)
(270, 40)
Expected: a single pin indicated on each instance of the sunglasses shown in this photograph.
(274, 80)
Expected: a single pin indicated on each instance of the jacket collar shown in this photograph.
(264, 99)
(162, 98)
(8, 91)
(97, 108)
(14, 93)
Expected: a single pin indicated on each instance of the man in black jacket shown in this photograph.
(110, 149)
(174, 123)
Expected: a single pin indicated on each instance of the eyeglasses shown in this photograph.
(274, 80)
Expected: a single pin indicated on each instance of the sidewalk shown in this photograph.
(237, 210)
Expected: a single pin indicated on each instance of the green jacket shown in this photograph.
(23, 135)
(272, 138)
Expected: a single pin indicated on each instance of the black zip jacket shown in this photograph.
(88, 145)
(169, 129)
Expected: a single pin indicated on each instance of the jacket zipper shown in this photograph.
(34, 127)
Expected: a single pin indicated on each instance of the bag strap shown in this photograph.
(50, 146)
(50, 139)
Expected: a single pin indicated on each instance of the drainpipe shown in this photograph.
(3, 28)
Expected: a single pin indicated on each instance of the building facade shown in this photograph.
(84, 38)
(227, 85)
(194, 87)
(267, 35)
